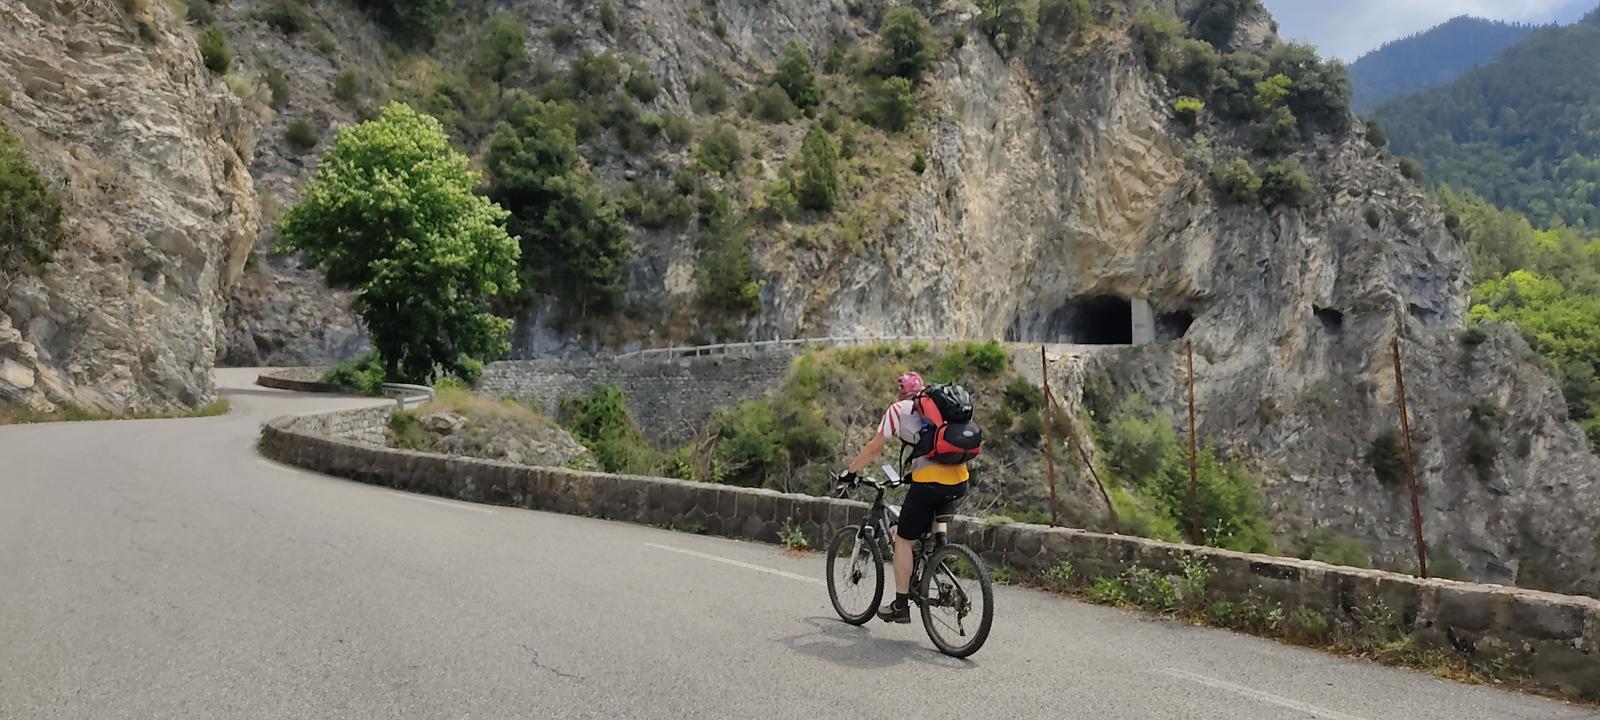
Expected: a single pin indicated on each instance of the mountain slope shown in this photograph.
(1429, 59)
(1522, 131)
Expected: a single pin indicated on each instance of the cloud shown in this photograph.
(1348, 29)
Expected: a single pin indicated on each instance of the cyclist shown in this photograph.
(934, 489)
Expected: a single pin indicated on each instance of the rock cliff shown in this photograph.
(151, 153)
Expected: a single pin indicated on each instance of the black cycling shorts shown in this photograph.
(924, 502)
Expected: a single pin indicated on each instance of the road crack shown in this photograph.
(554, 671)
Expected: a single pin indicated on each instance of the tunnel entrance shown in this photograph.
(1088, 320)
(1173, 325)
(1099, 320)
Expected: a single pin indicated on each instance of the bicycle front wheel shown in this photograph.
(855, 575)
(957, 600)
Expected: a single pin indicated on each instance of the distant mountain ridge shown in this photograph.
(1429, 59)
(1522, 130)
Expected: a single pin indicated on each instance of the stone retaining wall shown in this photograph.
(306, 379)
(1552, 639)
(671, 398)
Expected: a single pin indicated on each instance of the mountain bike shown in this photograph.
(949, 582)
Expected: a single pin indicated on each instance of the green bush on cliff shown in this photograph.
(30, 210)
(600, 420)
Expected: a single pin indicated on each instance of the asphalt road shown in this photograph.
(162, 569)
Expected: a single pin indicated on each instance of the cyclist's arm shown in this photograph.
(869, 452)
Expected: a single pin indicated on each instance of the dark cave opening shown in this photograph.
(1173, 325)
(1099, 320)
(1332, 320)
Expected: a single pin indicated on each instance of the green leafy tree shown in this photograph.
(907, 41)
(1319, 92)
(890, 104)
(819, 173)
(1188, 110)
(411, 20)
(30, 210)
(391, 214)
(726, 272)
(214, 50)
(574, 241)
(1008, 23)
(500, 50)
(797, 76)
(1065, 16)
(1154, 33)
(1219, 19)
(720, 150)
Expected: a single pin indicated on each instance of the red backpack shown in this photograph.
(948, 435)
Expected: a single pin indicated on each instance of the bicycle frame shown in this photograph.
(876, 527)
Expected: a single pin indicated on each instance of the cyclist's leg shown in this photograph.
(916, 517)
(946, 507)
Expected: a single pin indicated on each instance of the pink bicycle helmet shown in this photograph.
(910, 384)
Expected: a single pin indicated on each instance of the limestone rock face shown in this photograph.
(151, 154)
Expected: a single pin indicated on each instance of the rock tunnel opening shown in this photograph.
(1087, 320)
(1332, 320)
(1173, 325)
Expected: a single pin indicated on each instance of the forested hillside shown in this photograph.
(1522, 131)
(1429, 59)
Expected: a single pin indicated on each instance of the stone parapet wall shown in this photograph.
(671, 398)
(1553, 639)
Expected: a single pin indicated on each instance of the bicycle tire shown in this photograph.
(930, 575)
(842, 543)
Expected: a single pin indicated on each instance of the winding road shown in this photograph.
(163, 569)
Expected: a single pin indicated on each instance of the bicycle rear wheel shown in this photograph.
(957, 600)
(855, 575)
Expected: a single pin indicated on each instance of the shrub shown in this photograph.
(214, 50)
(1188, 110)
(1060, 577)
(1373, 217)
(1411, 169)
(412, 20)
(1375, 135)
(919, 164)
(201, 12)
(1154, 32)
(286, 16)
(608, 17)
(501, 49)
(780, 197)
(601, 421)
(278, 85)
(1330, 547)
(642, 85)
(1285, 184)
(720, 150)
(888, 104)
(300, 136)
(797, 76)
(1275, 131)
(1482, 449)
(406, 432)
(1021, 395)
(363, 374)
(562, 35)
(1108, 591)
(988, 357)
(678, 130)
(769, 103)
(1218, 20)
(30, 210)
(347, 87)
(1386, 455)
(1308, 626)
(1236, 181)
(1151, 590)
(907, 42)
(793, 537)
(709, 92)
(1065, 16)
(818, 186)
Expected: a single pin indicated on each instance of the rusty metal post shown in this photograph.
(1196, 535)
(1083, 453)
(1049, 429)
(1409, 459)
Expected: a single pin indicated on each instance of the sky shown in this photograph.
(1347, 28)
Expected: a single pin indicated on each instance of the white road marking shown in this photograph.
(736, 563)
(1259, 695)
(445, 503)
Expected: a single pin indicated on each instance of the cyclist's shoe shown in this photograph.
(891, 614)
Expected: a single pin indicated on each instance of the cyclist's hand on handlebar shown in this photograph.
(845, 477)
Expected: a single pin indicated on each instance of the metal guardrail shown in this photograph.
(727, 348)
(403, 393)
